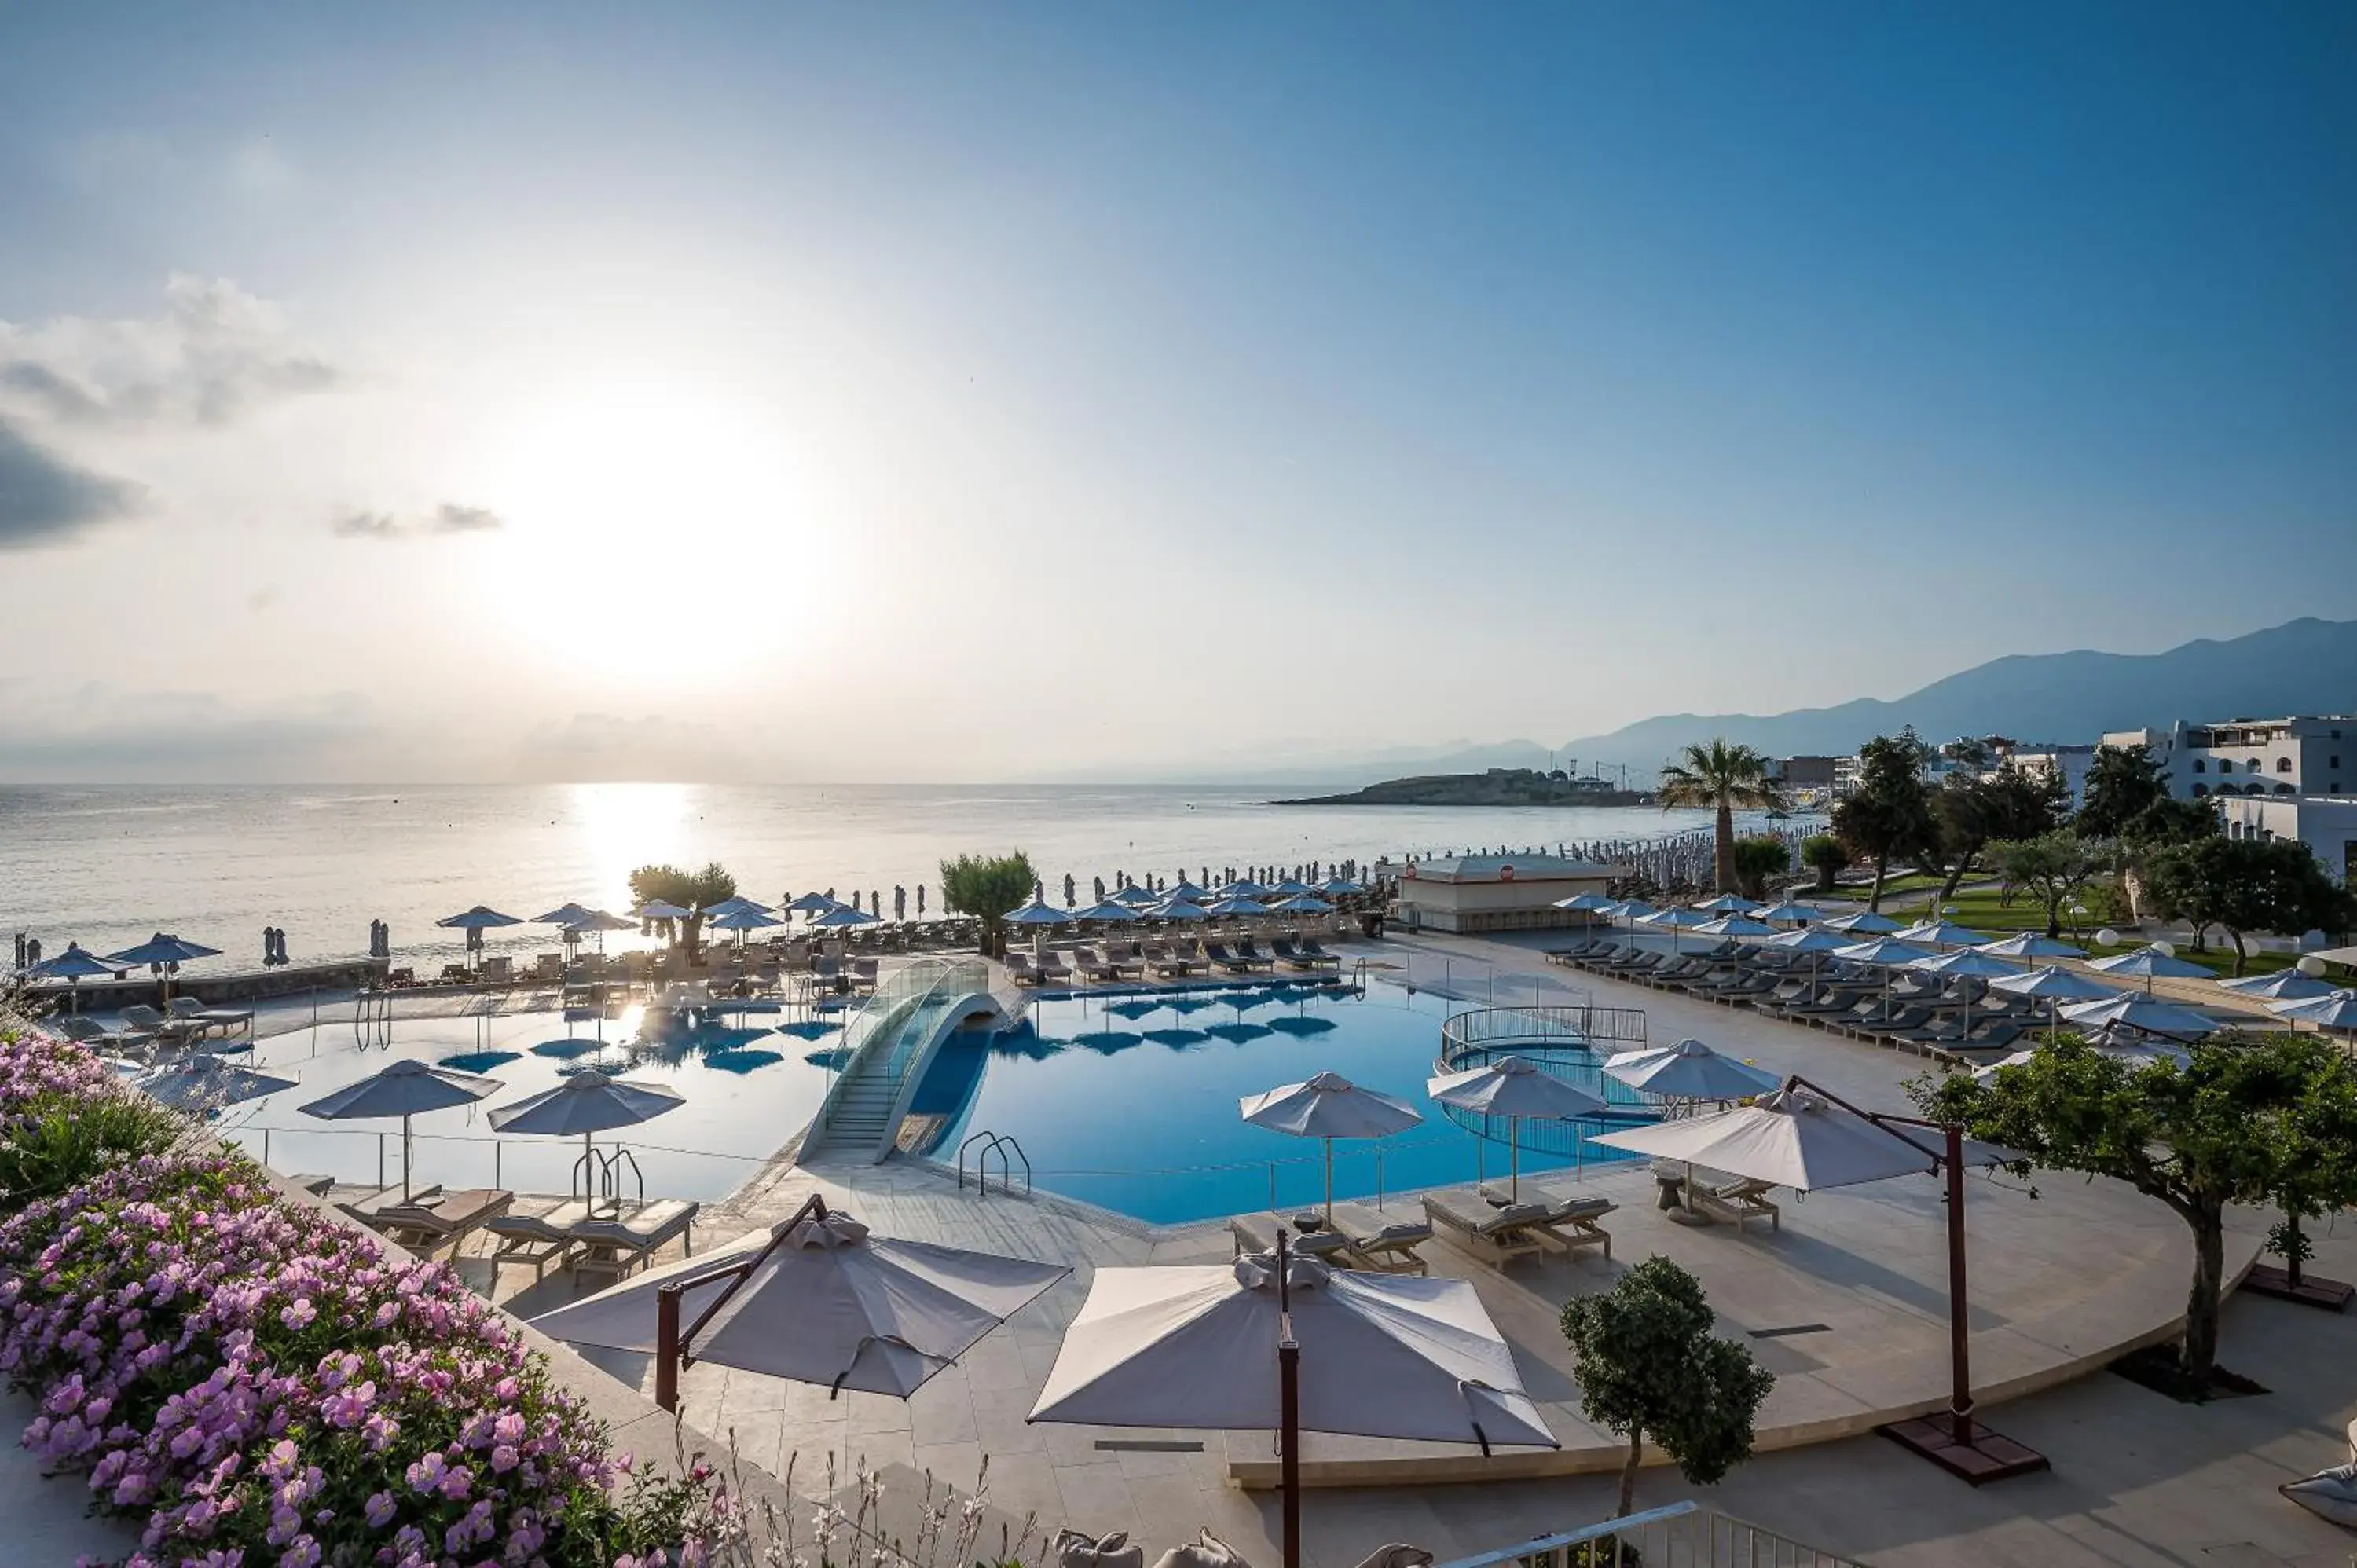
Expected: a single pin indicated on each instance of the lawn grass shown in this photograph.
(1982, 911)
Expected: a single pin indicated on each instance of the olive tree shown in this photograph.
(2237, 1125)
(988, 887)
(2052, 867)
(1649, 1366)
(695, 891)
(2242, 886)
(1824, 854)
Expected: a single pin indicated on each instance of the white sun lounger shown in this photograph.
(539, 1239)
(1258, 1233)
(426, 1226)
(1496, 1236)
(614, 1241)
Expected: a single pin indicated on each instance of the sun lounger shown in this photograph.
(1257, 1233)
(1383, 1246)
(1051, 966)
(1019, 969)
(539, 1239)
(616, 1241)
(1091, 966)
(366, 1207)
(226, 1020)
(90, 1032)
(1496, 1236)
(1219, 954)
(1898, 1021)
(424, 1226)
(1573, 1224)
(1314, 950)
(147, 1021)
(1736, 1202)
(1286, 953)
(1168, 963)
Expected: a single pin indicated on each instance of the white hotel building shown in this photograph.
(2269, 778)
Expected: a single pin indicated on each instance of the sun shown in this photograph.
(635, 509)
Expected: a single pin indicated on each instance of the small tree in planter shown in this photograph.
(988, 887)
(2315, 1137)
(695, 891)
(1825, 855)
(1758, 858)
(1649, 1366)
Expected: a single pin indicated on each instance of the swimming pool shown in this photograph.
(1130, 1102)
(751, 1080)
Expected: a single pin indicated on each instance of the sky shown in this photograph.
(1023, 390)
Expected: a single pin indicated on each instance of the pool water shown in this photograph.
(751, 1082)
(1130, 1102)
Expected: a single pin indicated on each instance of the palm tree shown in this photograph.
(1722, 775)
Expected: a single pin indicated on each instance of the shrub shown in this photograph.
(248, 1375)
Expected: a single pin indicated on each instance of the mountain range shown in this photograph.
(2306, 666)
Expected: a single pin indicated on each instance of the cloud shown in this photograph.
(97, 731)
(452, 518)
(385, 528)
(45, 499)
(216, 355)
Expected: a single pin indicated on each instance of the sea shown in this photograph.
(109, 866)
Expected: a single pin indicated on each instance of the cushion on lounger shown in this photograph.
(1207, 1551)
(1400, 1233)
(2329, 1494)
(1520, 1214)
(1074, 1550)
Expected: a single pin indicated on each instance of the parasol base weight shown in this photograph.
(1989, 1457)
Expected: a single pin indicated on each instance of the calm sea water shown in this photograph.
(106, 866)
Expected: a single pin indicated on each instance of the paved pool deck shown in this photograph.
(2061, 1283)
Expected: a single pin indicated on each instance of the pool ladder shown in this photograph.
(1003, 1145)
(372, 1019)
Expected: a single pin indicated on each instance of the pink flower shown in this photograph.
(300, 1314)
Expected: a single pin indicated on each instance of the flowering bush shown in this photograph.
(261, 1384)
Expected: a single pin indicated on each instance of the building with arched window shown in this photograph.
(2296, 756)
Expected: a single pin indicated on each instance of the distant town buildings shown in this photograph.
(2291, 777)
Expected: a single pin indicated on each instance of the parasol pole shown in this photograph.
(1289, 1377)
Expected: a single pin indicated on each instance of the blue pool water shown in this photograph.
(1130, 1102)
(750, 1081)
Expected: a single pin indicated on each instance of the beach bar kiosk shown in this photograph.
(1469, 894)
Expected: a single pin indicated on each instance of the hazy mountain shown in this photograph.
(2302, 666)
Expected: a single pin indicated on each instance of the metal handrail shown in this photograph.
(1684, 1533)
(999, 1144)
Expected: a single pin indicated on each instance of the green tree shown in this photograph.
(1890, 813)
(2242, 886)
(988, 887)
(2316, 1145)
(1649, 1366)
(2227, 1128)
(1824, 853)
(1759, 857)
(1722, 776)
(2052, 867)
(695, 891)
(2122, 782)
(1975, 809)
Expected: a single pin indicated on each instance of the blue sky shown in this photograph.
(987, 392)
